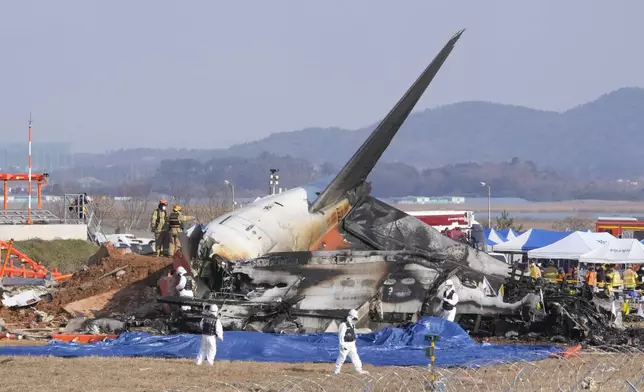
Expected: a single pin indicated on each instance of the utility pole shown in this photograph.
(489, 203)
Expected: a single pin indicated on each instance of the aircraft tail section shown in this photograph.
(355, 172)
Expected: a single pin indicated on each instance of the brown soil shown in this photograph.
(122, 294)
(140, 269)
(609, 372)
(11, 316)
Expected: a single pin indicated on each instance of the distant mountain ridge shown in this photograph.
(599, 139)
(533, 154)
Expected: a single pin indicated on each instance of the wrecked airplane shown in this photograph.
(306, 256)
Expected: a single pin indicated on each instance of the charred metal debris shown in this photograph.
(400, 265)
(566, 314)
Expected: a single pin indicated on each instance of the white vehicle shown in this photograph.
(128, 239)
(138, 245)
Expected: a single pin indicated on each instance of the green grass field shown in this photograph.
(66, 255)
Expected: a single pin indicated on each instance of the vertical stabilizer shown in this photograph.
(355, 172)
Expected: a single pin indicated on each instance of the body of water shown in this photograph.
(482, 214)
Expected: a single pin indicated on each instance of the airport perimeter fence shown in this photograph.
(600, 369)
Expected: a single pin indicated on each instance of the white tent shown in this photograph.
(618, 251)
(511, 235)
(495, 237)
(572, 246)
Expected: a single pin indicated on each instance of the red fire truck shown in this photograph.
(458, 225)
(623, 227)
(449, 220)
(454, 224)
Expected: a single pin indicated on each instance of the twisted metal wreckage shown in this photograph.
(299, 260)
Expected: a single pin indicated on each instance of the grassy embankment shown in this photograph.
(66, 255)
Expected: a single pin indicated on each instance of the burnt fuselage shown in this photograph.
(284, 247)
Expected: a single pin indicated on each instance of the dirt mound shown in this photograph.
(12, 316)
(131, 291)
(144, 271)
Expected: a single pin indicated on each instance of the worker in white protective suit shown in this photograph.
(185, 286)
(211, 330)
(347, 339)
(450, 299)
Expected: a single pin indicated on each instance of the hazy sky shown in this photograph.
(209, 73)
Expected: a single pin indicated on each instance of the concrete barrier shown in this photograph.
(44, 232)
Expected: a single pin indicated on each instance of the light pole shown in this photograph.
(489, 203)
(232, 189)
(273, 181)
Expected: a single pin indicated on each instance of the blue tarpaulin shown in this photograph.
(387, 347)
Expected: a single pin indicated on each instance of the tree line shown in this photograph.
(187, 179)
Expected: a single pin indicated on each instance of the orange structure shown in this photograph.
(40, 178)
(28, 268)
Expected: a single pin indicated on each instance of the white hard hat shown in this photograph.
(449, 282)
(181, 270)
(353, 314)
(214, 308)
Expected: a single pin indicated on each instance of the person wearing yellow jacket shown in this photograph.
(535, 272)
(613, 280)
(550, 272)
(630, 278)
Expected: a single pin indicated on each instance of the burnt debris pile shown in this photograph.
(565, 314)
(116, 292)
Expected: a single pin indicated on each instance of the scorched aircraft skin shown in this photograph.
(282, 254)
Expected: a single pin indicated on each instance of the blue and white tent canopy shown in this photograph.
(572, 246)
(509, 234)
(493, 237)
(531, 239)
(512, 235)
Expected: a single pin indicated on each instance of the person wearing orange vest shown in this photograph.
(591, 277)
(630, 278)
(561, 276)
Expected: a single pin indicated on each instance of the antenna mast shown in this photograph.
(29, 180)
